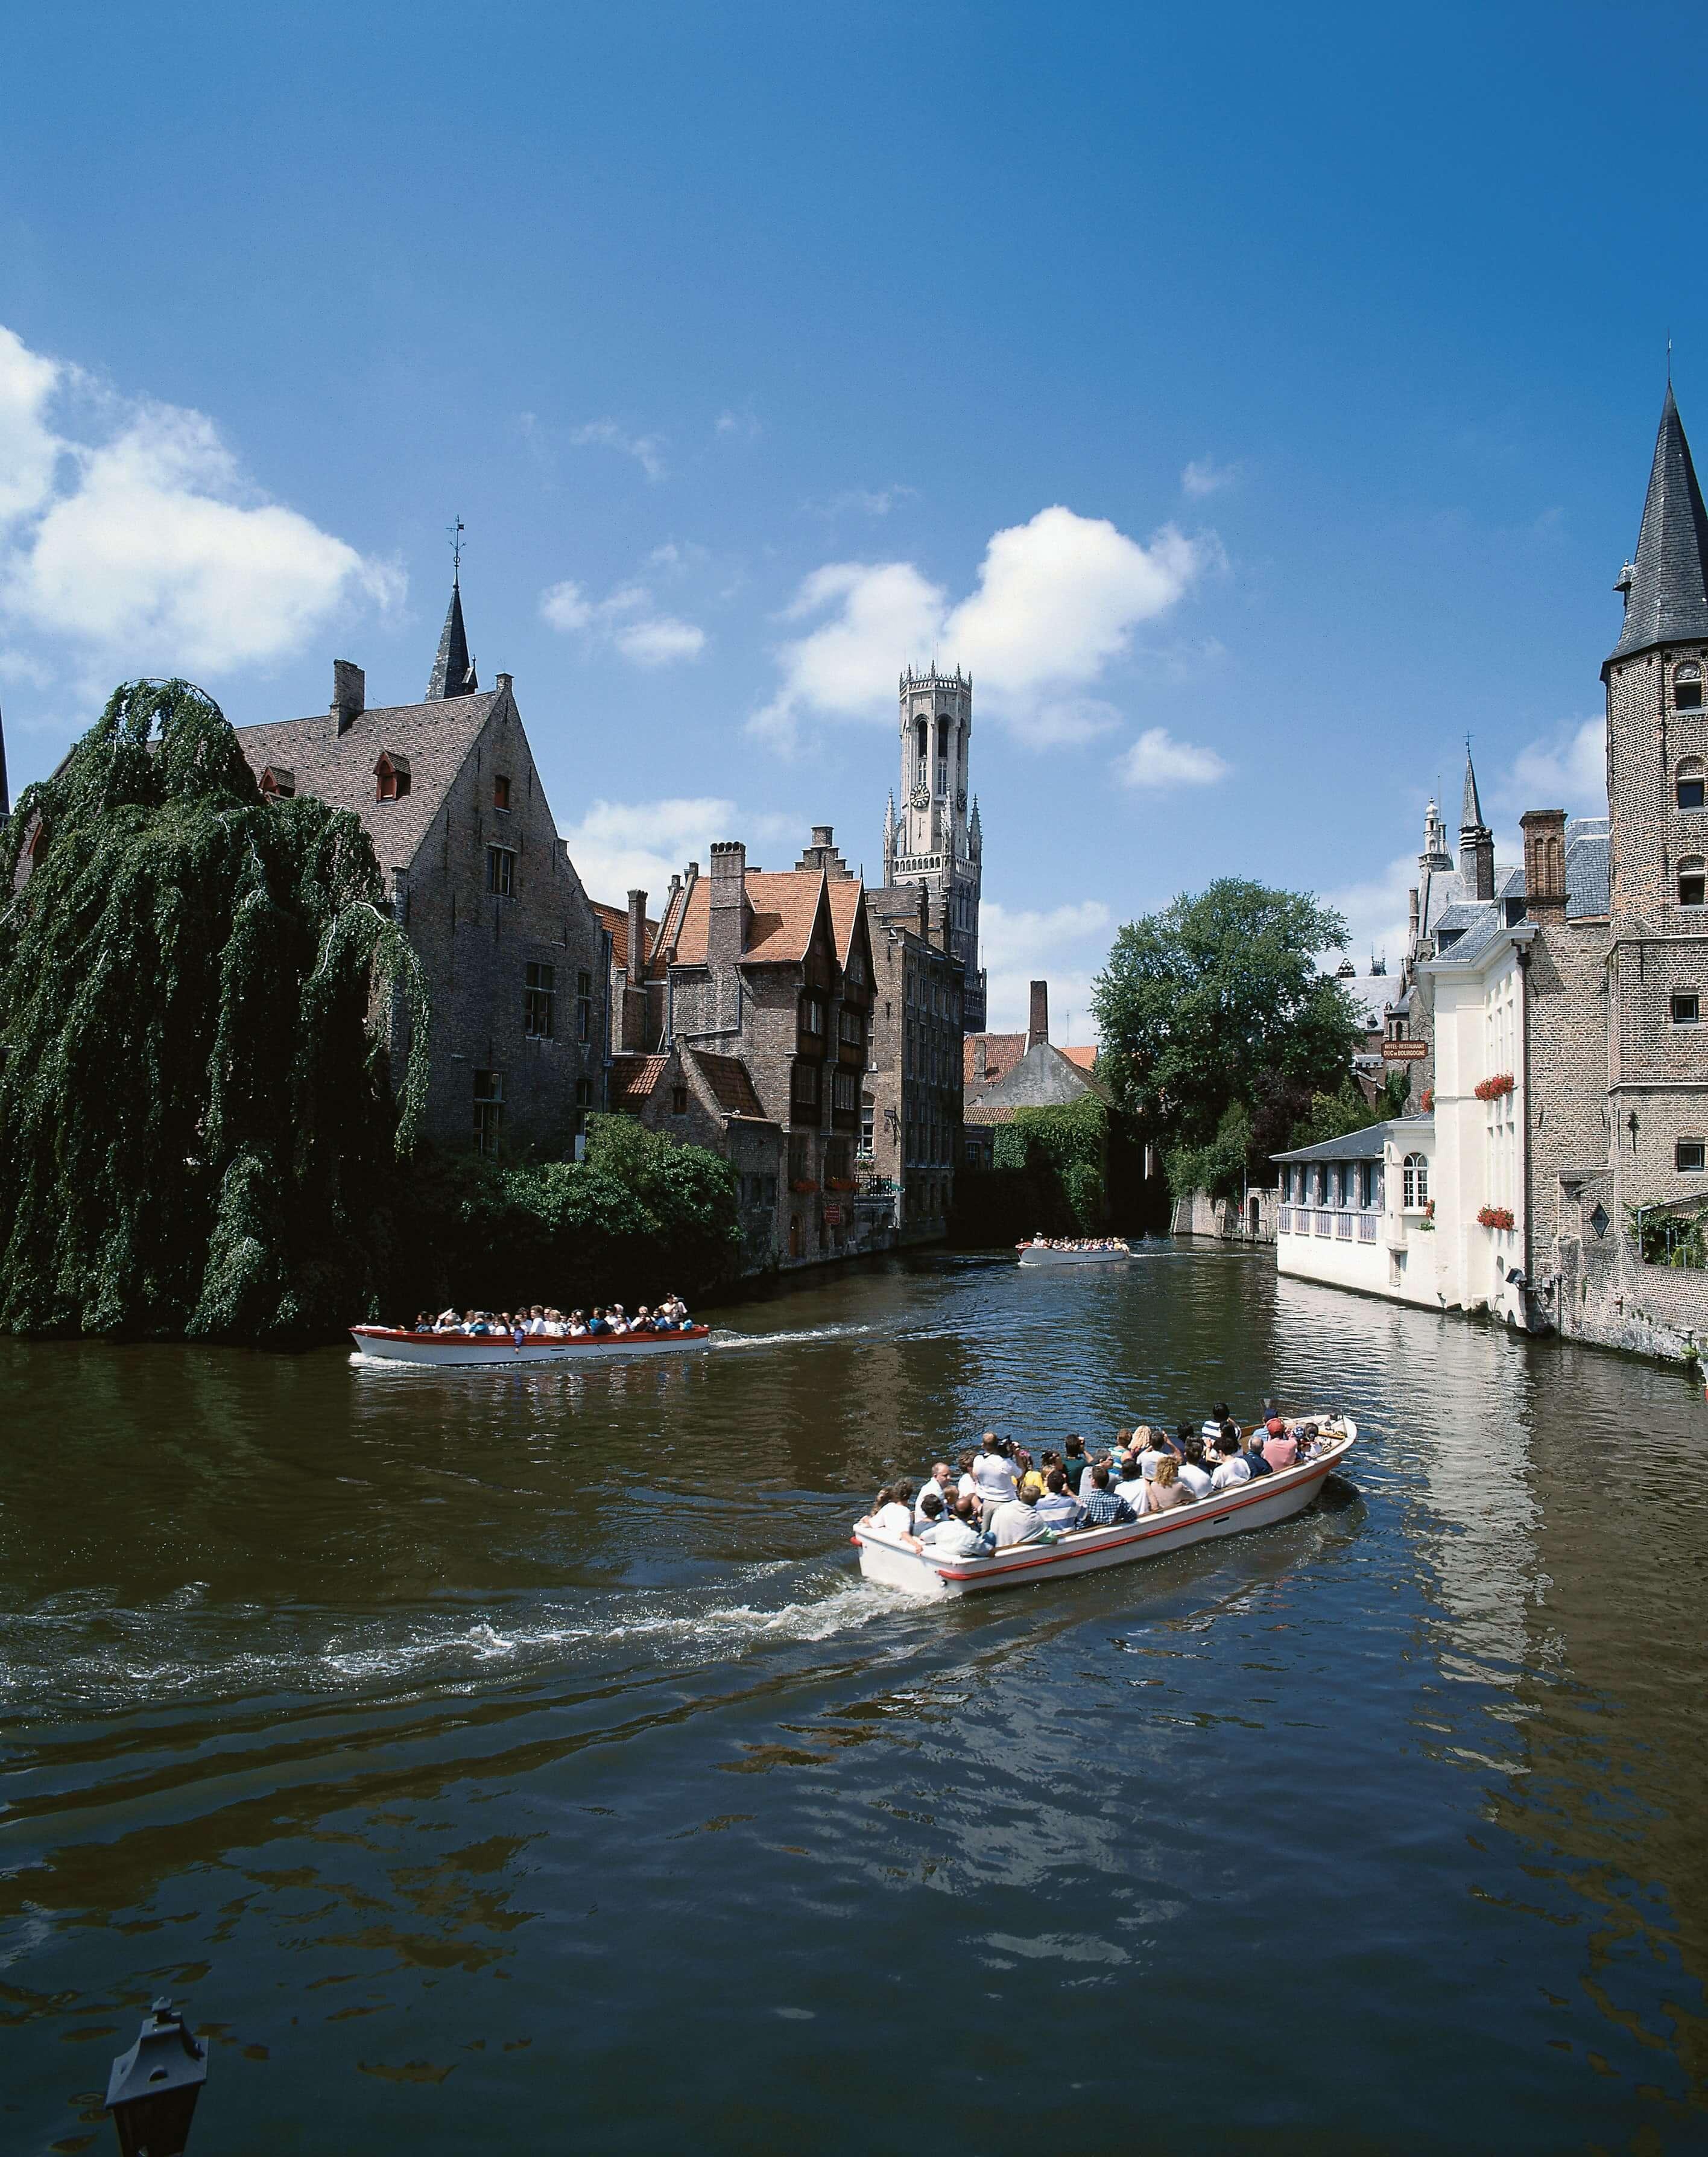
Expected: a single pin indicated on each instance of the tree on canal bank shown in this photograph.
(1219, 1031)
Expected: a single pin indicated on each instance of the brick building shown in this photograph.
(911, 1100)
(1001, 1073)
(515, 956)
(745, 1019)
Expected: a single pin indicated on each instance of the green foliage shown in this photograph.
(641, 1215)
(1670, 1239)
(196, 1123)
(1215, 1004)
(1063, 1151)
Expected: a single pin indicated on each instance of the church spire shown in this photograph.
(1666, 587)
(453, 670)
(1471, 811)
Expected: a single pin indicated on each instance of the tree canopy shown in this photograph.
(1218, 1026)
(196, 1120)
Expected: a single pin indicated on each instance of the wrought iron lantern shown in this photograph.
(152, 2090)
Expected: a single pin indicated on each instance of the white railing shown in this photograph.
(1283, 1220)
(1366, 1227)
(1324, 1224)
(1343, 1227)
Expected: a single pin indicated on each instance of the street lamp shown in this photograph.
(153, 2089)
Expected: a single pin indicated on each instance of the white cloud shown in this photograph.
(1157, 759)
(620, 846)
(1376, 912)
(147, 542)
(1064, 946)
(742, 424)
(646, 450)
(1569, 771)
(1204, 476)
(1058, 600)
(654, 640)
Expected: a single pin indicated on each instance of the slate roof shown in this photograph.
(453, 670)
(1668, 597)
(732, 1085)
(847, 896)
(1588, 866)
(633, 1079)
(1366, 1144)
(1478, 925)
(1470, 808)
(616, 919)
(337, 767)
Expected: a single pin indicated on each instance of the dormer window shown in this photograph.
(501, 792)
(1688, 783)
(1687, 687)
(278, 784)
(391, 777)
(1693, 880)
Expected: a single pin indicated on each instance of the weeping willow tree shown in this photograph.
(197, 1119)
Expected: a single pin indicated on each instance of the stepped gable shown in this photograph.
(1666, 587)
(337, 769)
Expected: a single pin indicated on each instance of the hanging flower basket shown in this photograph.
(1491, 1089)
(1428, 1219)
(1429, 1101)
(841, 1183)
(1495, 1217)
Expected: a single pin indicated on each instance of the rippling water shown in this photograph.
(517, 1760)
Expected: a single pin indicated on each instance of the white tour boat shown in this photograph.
(1048, 1254)
(885, 1558)
(390, 1344)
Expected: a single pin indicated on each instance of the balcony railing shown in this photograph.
(1343, 1227)
(1366, 1227)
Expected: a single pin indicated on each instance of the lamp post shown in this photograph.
(153, 2089)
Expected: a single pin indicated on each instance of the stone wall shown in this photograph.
(1252, 1221)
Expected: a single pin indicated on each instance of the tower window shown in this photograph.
(1687, 687)
(1688, 783)
(1417, 1182)
(1692, 880)
(1690, 1157)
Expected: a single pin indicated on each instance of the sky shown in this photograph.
(1256, 403)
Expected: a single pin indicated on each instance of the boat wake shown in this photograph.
(721, 1339)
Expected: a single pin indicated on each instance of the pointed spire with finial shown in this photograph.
(453, 669)
(1471, 810)
(1666, 586)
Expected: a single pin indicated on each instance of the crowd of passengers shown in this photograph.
(1076, 1243)
(996, 1497)
(538, 1323)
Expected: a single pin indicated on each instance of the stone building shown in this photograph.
(515, 957)
(1001, 1073)
(745, 1019)
(936, 841)
(910, 1138)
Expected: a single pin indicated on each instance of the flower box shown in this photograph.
(1495, 1217)
(804, 1186)
(1427, 1104)
(1491, 1089)
(841, 1183)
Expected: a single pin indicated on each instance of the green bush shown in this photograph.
(1064, 1151)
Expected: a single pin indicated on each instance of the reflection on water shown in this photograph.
(454, 1741)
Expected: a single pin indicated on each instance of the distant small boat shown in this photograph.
(885, 1558)
(390, 1344)
(1047, 1254)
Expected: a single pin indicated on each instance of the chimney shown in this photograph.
(1544, 860)
(1038, 1026)
(821, 835)
(349, 692)
(725, 936)
(981, 1057)
(1411, 915)
(637, 937)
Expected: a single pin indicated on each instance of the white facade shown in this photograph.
(1363, 1223)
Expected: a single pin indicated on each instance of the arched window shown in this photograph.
(1687, 687)
(1692, 880)
(1417, 1182)
(1687, 783)
(391, 777)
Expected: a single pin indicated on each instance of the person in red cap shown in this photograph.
(1280, 1447)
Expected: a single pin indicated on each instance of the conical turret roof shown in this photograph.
(453, 670)
(1471, 809)
(1666, 588)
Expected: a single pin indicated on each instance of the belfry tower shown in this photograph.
(936, 841)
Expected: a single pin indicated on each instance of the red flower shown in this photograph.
(1495, 1217)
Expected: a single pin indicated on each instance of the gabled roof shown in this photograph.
(847, 897)
(1666, 597)
(1085, 1055)
(1366, 1144)
(1002, 1052)
(337, 767)
(1588, 868)
(782, 907)
(616, 919)
(453, 670)
(732, 1085)
(633, 1079)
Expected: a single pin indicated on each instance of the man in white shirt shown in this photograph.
(955, 1535)
(993, 1474)
(1235, 1468)
(938, 1481)
(1131, 1487)
(1193, 1473)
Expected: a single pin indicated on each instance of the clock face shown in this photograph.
(921, 797)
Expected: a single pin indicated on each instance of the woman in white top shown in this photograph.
(889, 1513)
(993, 1473)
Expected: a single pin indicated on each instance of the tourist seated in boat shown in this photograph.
(1015, 1520)
(1099, 1507)
(1158, 1448)
(1280, 1446)
(1232, 1468)
(1030, 1477)
(891, 1511)
(1211, 1429)
(1254, 1459)
(1165, 1489)
(939, 1485)
(992, 1471)
(1074, 1462)
(1193, 1473)
(954, 1533)
(1130, 1486)
(1057, 1508)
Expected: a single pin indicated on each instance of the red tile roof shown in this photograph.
(1002, 1052)
(783, 906)
(633, 1078)
(731, 1085)
(1084, 1056)
(616, 919)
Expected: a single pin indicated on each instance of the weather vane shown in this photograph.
(456, 533)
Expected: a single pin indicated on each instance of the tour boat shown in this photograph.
(885, 1558)
(1046, 1254)
(390, 1344)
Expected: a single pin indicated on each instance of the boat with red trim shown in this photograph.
(1100, 1251)
(392, 1344)
(885, 1557)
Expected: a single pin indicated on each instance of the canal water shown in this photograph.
(516, 1761)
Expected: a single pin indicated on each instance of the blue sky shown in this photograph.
(1256, 402)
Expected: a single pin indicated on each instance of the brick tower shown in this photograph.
(936, 839)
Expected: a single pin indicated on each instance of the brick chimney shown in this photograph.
(981, 1057)
(1038, 1025)
(637, 936)
(725, 927)
(1544, 860)
(349, 692)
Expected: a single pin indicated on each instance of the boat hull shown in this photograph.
(886, 1559)
(384, 1344)
(1033, 1254)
